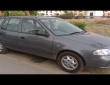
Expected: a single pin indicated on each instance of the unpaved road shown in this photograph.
(15, 62)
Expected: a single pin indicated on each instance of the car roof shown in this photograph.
(38, 17)
(2, 17)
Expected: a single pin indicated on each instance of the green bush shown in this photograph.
(81, 25)
(68, 15)
(80, 14)
(79, 17)
(13, 13)
(33, 13)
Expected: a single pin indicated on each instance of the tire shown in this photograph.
(78, 62)
(3, 49)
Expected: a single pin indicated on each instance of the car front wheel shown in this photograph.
(70, 62)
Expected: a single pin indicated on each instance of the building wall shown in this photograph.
(96, 14)
(85, 13)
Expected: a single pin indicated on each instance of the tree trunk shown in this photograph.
(27, 13)
(0, 13)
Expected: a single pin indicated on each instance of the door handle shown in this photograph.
(22, 37)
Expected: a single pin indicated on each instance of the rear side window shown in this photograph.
(11, 24)
(5, 24)
(1, 20)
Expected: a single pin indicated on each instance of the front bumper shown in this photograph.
(98, 62)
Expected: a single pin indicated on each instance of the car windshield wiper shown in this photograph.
(74, 33)
(81, 32)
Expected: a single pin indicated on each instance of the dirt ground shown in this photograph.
(14, 62)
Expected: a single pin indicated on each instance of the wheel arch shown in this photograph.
(2, 41)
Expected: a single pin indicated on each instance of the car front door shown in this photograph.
(29, 42)
(9, 32)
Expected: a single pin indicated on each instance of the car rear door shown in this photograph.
(9, 32)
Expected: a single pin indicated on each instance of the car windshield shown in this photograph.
(59, 26)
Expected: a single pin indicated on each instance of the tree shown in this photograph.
(5, 13)
(33, 13)
(13, 13)
(68, 15)
(27, 13)
(65, 12)
(80, 14)
(0, 13)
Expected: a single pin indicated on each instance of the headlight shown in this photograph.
(102, 52)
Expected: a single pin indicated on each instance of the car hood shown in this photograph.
(89, 38)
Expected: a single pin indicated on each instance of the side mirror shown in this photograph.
(42, 33)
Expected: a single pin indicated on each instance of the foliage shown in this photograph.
(18, 13)
(68, 15)
(80, 14)
(33, 13)
(81, 25)
(13, 13)
(65, 12)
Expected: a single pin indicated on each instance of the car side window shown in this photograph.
(47, 23)
(4, 26)
(1, 20)
(30, 26)
(13, 24)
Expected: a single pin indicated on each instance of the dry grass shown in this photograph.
(99, 25)
(103, 30)
(86, 20)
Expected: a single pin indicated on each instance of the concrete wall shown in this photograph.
(96, 14)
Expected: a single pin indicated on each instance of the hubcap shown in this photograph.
(1, 47)
(69, 62)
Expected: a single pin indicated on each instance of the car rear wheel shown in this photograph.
(70, 62)
(3, 49)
